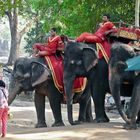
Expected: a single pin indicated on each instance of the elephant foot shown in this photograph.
(101, 120)
(77, 122)
(57, 124)
(38, 125)
(131, 126)
(89, 119)
(138, 123)
(85, 121)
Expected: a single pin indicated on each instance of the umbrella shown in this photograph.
(133, 64)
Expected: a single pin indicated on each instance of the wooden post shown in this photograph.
(137, 5)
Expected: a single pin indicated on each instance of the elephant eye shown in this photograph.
(72, 62)
(20, 67)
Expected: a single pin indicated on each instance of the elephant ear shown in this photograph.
(90, 58)
(39, 73)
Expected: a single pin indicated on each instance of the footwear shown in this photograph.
(3, 135)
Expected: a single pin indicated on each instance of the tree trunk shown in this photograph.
(13, 23)
(137, 13)
(15, 35)
(13, 49)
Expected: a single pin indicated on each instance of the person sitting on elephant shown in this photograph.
(105, 28)
(53, 44)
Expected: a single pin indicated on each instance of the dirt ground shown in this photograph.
(21, 126)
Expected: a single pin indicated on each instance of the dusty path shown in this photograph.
(21, 126)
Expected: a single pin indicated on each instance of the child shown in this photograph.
(3, 108)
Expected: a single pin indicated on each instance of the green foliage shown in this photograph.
(8, 5)
(35, 35)
(76, 16)
(72, 17)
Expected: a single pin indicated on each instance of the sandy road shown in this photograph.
(21, 126)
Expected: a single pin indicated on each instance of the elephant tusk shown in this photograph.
(127, 119)
(27, 75)
(137, 72)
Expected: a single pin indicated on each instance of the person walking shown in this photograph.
(3, 108)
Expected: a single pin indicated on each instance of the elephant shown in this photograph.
(84, 63)
(32, 74)
(134, 107)
(125, 83)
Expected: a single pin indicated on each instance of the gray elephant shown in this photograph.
(81, 60)
(31, 74)
(133, 112)
(125, 83)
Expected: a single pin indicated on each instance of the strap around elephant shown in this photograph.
(4, 94)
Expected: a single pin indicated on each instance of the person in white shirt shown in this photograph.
(3, 108)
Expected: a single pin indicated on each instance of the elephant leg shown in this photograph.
(85, 111)
(82, 111)
(138, 116)
(100, 108)
(89, 117)
(55, 104)
(138, 119)
(132, 124)
(40, 110)
(56, 109)
(134, 107)
(100, 86)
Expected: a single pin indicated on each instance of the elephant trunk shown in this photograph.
(14, 89)
(69, 93)
(70, 116)
(115, 90)
(11, 98)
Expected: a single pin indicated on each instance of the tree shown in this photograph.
(79, 16)
(12, 9)
(35, 35)
(72, 16)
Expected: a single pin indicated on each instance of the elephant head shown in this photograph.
(78, 61)
(26, 75)
(119, 54)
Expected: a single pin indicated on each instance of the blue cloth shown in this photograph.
(133, 64)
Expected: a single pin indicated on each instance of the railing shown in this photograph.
(124, 24)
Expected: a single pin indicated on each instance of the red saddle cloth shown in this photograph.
(104, 50)
(56, 66)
